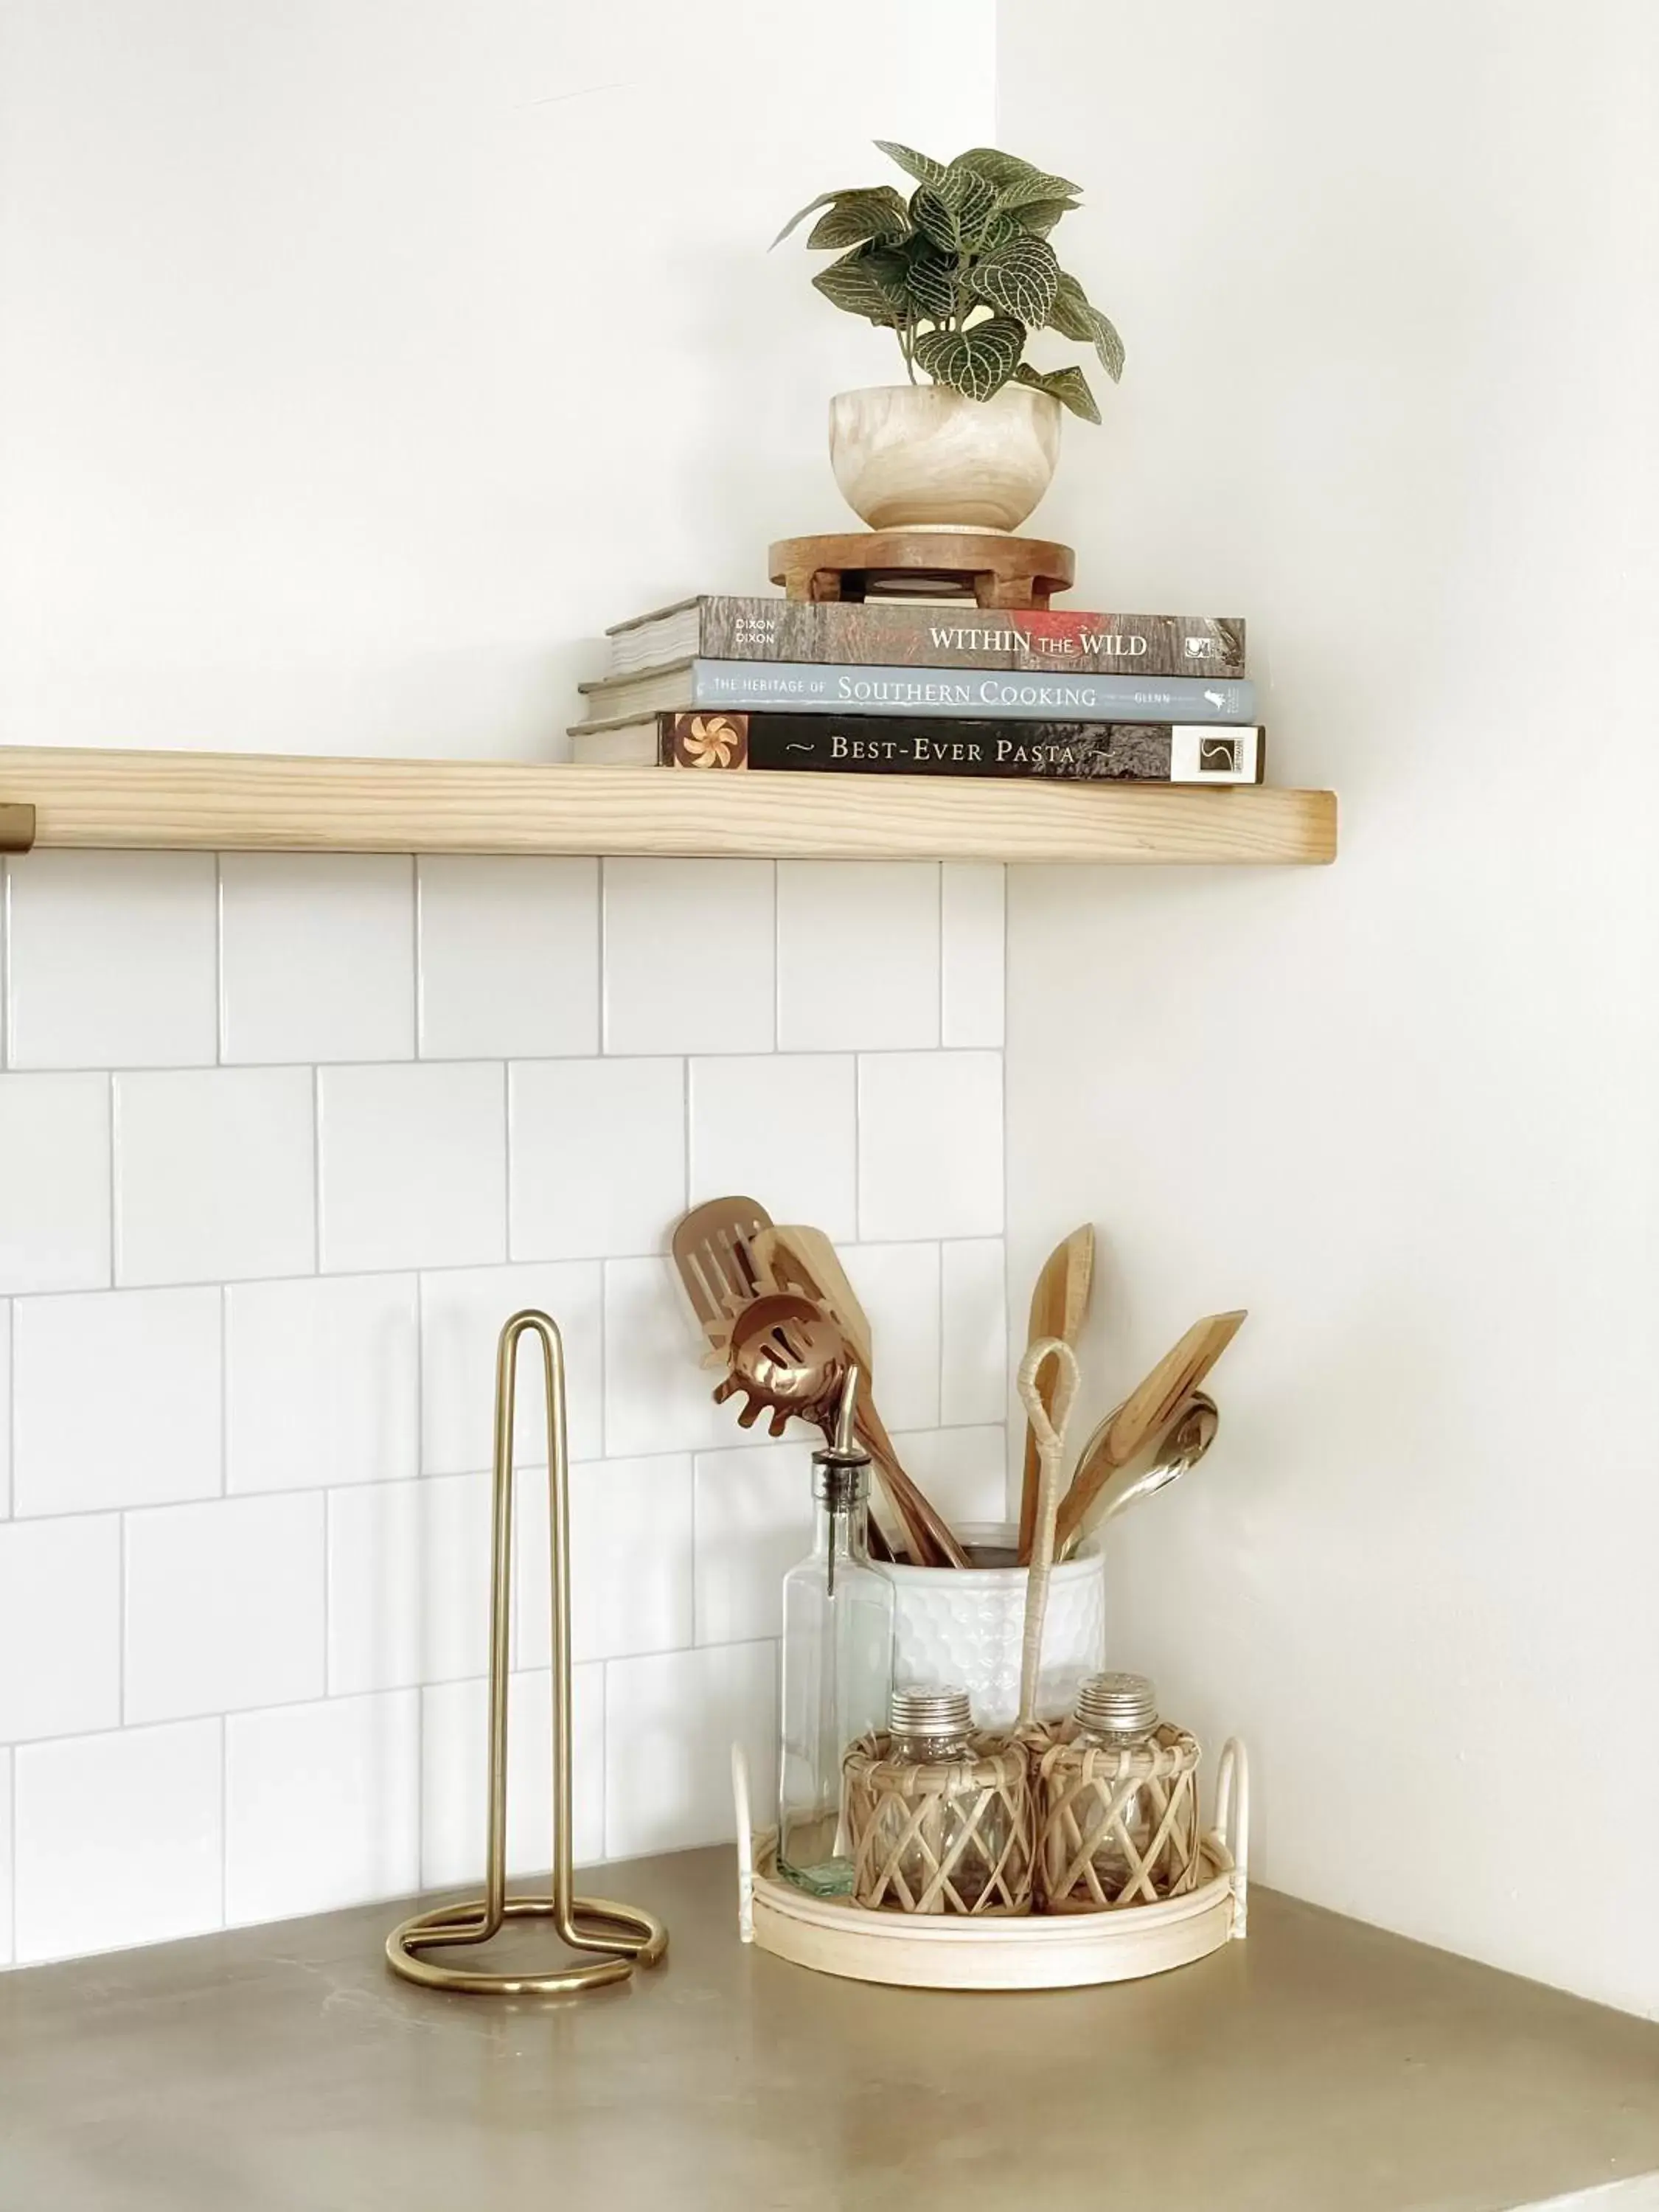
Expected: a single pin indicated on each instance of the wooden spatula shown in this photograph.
(1058, 1304)
(804, 1260)
(714, 1249)
(1145, 1413)
(801, 1259)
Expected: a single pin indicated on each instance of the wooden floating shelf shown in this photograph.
(263, 802)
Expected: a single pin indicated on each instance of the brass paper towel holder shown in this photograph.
(623, 1936)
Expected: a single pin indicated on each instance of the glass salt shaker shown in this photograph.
(837, 1667)
(946, 1827)
(1118, 1808)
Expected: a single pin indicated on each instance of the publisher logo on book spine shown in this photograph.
(1203, 648)
(1219, 755)
(710, 741)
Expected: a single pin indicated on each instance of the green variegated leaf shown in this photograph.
(1020, 279)
(1038, 216)
(955, 212)
(852, 284)
(1074, 317)
(1069, 311)
(1069, 385)
(878, 212)
(890, 267)
(1000, 229)
(921, 167)
(1029, 190)
(823, 199)
(1007, 170)
(978, 362)
(931, 279)
(1109, 346)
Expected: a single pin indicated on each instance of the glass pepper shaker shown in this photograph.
(1118, 1810)
(939, 1825)
(837, 1665)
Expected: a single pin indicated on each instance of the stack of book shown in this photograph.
(890, 689)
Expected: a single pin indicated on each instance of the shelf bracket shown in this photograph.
(17, 827)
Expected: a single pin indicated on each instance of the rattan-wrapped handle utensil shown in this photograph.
(1048, 1421)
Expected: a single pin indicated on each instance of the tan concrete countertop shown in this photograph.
(1321, 2067)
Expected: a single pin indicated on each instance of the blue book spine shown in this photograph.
(1034, 695)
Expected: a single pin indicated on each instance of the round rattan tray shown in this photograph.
(940, 1952)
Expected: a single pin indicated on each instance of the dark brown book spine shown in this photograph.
(881, 633)
(899, 745)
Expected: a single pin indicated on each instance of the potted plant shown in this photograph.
(962, 272)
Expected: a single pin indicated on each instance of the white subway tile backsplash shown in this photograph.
(322, 1806)
(116, 1399)
(631, 1555)
(408, 1583)
(964, 1471)
(897, 1286)
(120, 1839)
(689, 956)
(322, 1381)
(783, 1129)
(509, 957)
(248, 1324)
(224, 1606)
(930, 1144)
(670, 1723)
(858, 955)
(110, 960)
(317, 955)
(412, 1165)
(972, 946)
(657, 1392)
(60, 1626)
(54, 1182)
(597, 1152)
(214, 1175)
(974, 1360)
(754, 1520)
(453, 1768)
(462, 1313)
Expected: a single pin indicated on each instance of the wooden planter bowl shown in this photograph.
(945, 1839)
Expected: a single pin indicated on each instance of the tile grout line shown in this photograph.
(112, 1133)
(219, 1020)
(508, 1255)
(224, 1819)
(600, 950)
(440, 1269)
(415, 1055)
(316, 1173)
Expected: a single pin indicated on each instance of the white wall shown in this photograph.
(365, 358)
(1385, 278)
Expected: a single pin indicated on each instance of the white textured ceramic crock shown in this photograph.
(965, 1625)
(921, 456)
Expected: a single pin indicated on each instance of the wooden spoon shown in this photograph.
(1146, 1414)
(1048, 1412)
(1058, 1306)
